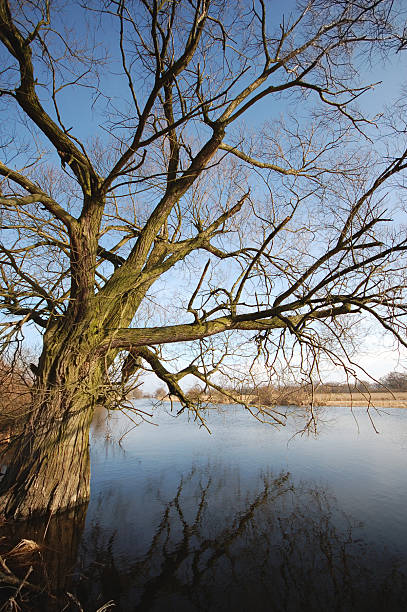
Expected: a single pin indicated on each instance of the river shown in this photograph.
(247, 518)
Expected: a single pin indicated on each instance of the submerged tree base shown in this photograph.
(49, 469)
(37, 559)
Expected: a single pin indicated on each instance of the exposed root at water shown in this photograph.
(18, 593)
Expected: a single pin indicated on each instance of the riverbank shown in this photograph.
(375, 399)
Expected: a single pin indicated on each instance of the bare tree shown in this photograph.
(272, 239)
(395, 381)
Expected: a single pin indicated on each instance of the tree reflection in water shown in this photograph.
(283, 546)
(280, 546)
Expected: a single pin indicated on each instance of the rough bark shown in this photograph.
(50, 469)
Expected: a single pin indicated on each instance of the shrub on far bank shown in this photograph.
(15, 394)
(395, 381)
(266, 395)
(288, 395)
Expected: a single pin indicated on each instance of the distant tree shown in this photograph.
(395, 381)
(195, 393)
(160, 393)
(265, 395)
(15, 394)
(136, 394)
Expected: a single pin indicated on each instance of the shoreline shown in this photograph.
(342, 400)
(363, 400)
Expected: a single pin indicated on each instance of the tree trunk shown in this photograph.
(50, 469)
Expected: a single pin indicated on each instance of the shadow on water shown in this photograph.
(215, 546)
(235, 521)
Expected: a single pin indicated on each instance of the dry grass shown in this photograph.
(18, 594)
(25, 548)
(302, 397)
(378, 399)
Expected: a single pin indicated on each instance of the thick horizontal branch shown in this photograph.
(28, 314)
(265, 320)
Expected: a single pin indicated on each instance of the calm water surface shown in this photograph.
(247, 518)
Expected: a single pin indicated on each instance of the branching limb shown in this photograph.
(27, 98)
(37, 195)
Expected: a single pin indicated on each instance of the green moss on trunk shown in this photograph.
(49, 469)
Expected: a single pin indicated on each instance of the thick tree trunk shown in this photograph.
(50, 470)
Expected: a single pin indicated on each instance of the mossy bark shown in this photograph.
(49, 470)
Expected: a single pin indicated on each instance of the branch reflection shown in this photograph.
(213, 539)
(219, 545)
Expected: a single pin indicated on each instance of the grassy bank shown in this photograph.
(379, 399)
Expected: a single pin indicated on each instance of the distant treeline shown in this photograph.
(15, 399)
(290, 394)
(394, 381)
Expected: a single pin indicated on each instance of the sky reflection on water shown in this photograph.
(249, 518)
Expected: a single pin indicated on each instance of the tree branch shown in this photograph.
(128, 338)
(37, 195)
